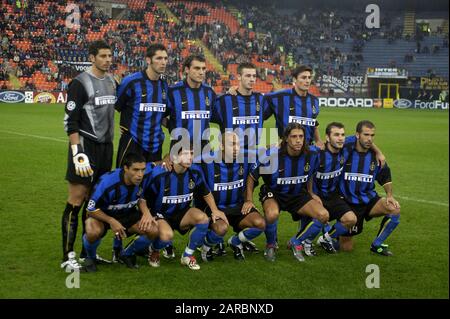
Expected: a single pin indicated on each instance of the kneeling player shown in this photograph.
(285, 189)
(357, 185)
(226, 178)
(117, 204)
(170, 195)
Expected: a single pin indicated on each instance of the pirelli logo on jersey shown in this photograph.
(329, 175)
(302, 120)
(228, 186)
(194, 115)
(356, 177)
(292, 180)
(123, 206)
(105, 100)
(245, 120)
(178, 199)
(152, 107)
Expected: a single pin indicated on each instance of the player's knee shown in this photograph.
(395, 211)
(271, 217)
(93, 234)
(259, 223)
(166, 235)
(349, 220)
(220, 228)
(323, 216)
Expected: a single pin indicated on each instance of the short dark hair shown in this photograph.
(96, 46)
(193, 57)
(151, 50)
(364, 123)
(287, 130)
(331, 125)
(132, 158)
(301, 68)
(184, 147)
(245, 65)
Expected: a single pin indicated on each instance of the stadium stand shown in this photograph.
(40, 52)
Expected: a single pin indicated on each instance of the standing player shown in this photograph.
(285, 188)
(89, 123)
(142, 102)
(357, 185)
(242, 112)
(114, 204)
(296, 105)
(190, 102)
(170, 195)
(226, 178)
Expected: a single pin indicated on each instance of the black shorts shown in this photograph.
(290, 203)
(127, 220)
(336, 206)
(100, 157)
(362, 213)
(128, 145)
(174, 220)
(234, 215)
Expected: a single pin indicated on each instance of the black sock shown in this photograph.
(83, 253)
(69, 225)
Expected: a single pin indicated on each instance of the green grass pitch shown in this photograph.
(33, 148)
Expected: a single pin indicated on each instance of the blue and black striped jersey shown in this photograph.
(359, 174)
(287, 107)
(167, 192)
(113, 196)
(329, 168)
(290, 174)
(240, 112)
(142, 104)
(226, 181)
(190, 108)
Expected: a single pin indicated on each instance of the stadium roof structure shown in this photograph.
(419, 5)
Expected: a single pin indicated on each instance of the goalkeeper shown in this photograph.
(89, 123)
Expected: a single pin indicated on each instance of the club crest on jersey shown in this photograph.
(341, 161)
(207, 101)
(257, 106)
(191, 184)
(314, 110)
(241, 170)
(307, 167)
(139, 193)
(372, 166)
(163, 94)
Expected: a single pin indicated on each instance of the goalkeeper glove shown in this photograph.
(81, 161)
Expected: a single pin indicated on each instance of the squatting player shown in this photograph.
(226, 178)
(285, 188)
(357, 185)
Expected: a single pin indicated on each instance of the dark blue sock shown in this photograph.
(117, 244)
(196, 238)
(212, 238)
(310, 231)
(326, 228)
(271, 232)
(388, 224)
(138, 245)
(91, 248)
(245, 235)
(159, 244)
(337, 230)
